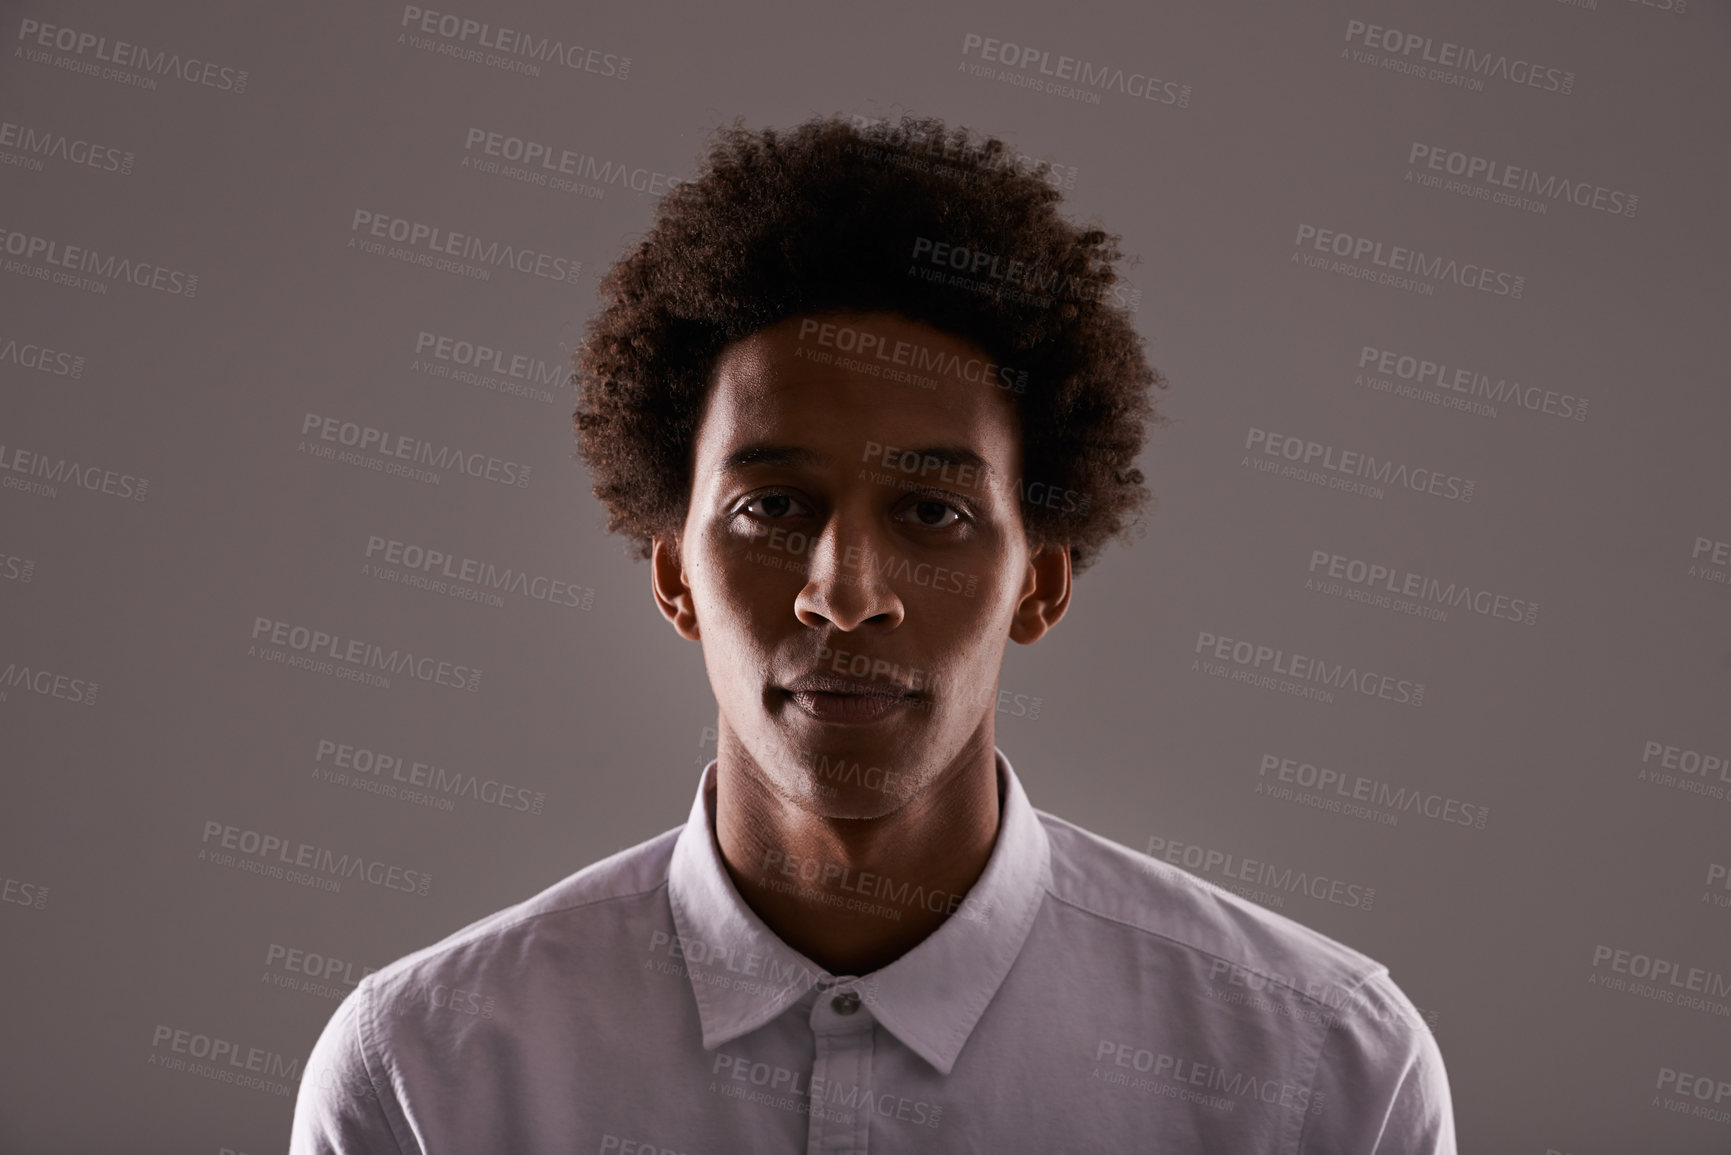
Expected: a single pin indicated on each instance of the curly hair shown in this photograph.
(838, 216)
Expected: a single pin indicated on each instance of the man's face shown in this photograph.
(855, 558)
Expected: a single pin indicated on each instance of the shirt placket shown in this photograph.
(841, 1090)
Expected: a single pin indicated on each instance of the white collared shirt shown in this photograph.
(1084, 998)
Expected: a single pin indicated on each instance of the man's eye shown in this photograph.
(928, 511)
(776, 505)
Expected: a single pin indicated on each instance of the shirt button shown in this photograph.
(845, 1003)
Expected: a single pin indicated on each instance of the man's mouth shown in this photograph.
(824, 683)
(833, 698)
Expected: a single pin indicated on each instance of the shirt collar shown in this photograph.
(743, 976)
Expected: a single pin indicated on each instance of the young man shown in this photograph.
(867, 404)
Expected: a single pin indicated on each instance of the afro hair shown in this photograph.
(850, 216)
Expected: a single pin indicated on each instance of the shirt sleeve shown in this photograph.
(341, 1108)
(1380, 1085)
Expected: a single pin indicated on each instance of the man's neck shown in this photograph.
(851, 894)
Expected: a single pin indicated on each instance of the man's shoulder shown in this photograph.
(1271, 993)
(478, 992)
(607, 893)
(1235, 942)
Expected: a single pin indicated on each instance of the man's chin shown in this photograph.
(849, 804)
(845, 784)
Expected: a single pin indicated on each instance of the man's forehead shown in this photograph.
(780, 397)
(767, 454)
(777, 371)
(814, 420)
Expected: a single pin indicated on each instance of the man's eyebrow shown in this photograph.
(773, 455)
(762, 454)
(943, 455)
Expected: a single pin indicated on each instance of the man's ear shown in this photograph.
(672, 593)
(1045, 594)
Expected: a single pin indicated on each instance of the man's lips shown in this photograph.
(832, 698)
(835, 684)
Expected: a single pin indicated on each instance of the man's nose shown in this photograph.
(845, 584)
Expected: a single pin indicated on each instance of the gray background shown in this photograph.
(113, 926)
